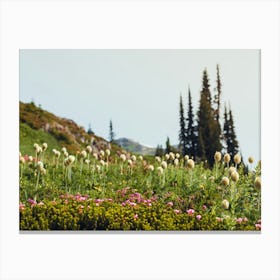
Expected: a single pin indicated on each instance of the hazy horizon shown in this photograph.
(140, 89)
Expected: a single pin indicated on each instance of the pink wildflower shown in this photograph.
(198, 217)
(41, 203)
(258, 226)
(31, 201)
(204, 207)
(176, 211)
(135, 216)
(190, 212)
(21, 206)
(218, 219)
(170, 204)
(245, 220)
(132, 204)
(239, 220)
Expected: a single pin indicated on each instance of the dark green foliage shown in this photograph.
(191, 134)
(230, 138)
(111, 132)
(159, 151)
(167, 146)
(208, 127)
(182, 132)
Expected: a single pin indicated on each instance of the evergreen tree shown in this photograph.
(217, 97)
(231, 143)
(182, 132)
(191, 137)
(225, 129)
(159, 151)
(208, 127)
(89, 129)
(111, 132)
(167, 146)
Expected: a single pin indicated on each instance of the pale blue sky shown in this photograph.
(139, 89)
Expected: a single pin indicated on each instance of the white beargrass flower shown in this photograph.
(40, 164)
(21, 159)
(151, 168)
(95, 155)
(172, 156)
(63, 150)
(140, 158)
(167, 156)
(235, 176)
(87, 161)
(227, 158)
(225, 181)
(98, 168)
(217, 156)
(190, 163)
(89, 149)
(102, 162)
(186, 157)
(160, 170)
(108, 152)
(158, 159)
(71, 159)
(133, 158)
(30, 158)
(38, 149)
(83, 154)
(237, 159)
(164, 164)
(176, 161)
(258, 183)
(102, 153)
(177, 155)
(251, 160)
(66, 154)
(44, 146)
(225, 204)
(129, 161)
(231, 170)
(123, 157)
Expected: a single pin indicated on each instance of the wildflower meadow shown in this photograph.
(117, 190)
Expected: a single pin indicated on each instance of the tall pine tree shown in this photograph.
(208, 126)
(111, 132)
(191, 137)
(182, 132)
(230, 138)
(167, 146)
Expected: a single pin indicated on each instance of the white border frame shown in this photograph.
(124, 24)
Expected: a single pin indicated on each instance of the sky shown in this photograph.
(139, 90)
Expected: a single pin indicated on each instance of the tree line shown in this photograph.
(201, 136)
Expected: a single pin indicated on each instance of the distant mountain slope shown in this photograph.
(134, 147)
(38, 125)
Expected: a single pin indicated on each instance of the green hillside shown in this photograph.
(39, 126)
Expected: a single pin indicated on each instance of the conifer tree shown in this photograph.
(208, 128)
(217, 97)
(159, 151)
(182, 132)
(111, 132)
(232, 146)
(191, 137)
(167, 146)
(89, 129)
(231, 143)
